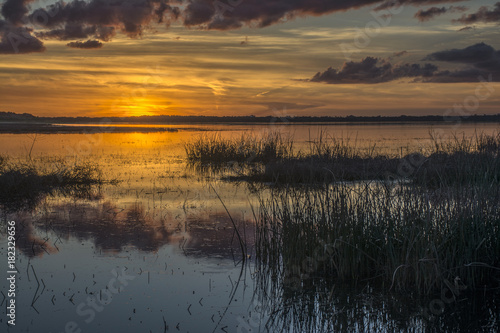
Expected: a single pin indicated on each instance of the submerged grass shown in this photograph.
(23, 184)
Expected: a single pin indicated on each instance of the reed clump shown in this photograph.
(23, 184)
(214, 149)
(405, 237)
(456, 161)
(461, 161)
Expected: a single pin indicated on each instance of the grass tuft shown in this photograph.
(22, 185)
(245, 149)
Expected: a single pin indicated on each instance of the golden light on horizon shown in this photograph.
(129, 106)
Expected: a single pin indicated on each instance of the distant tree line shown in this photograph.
(26, 117)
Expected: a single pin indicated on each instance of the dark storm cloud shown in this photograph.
(100, 18)
(214, 14)
(90, 44)
(14, 10)
(429, 14)
(373, 70)
(482, 60)
(473, 54)
(18, 40)
(131, 16)
(481, 56)
(484, 14)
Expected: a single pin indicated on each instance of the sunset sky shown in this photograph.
(243, 57)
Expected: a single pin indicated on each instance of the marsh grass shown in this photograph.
(272, 159)
(23, 184)
(373, 256)
(436, 224)
(402, 236)
(244, 149)
(461, 161)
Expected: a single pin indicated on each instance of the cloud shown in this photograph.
(131, 16)
(481, 60)
(100, 18)
(396, 3)
(221, 15)
(400, 54)
(372, 70)
(14, 10)
(73, 31)
(484, 14)
(472, 54)
(429, 14)
(458, 76)
(18, 40)
(90, 44)
(480, 56)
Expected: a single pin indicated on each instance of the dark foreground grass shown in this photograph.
(390, 257)
(401, 236)
(415, 223)
(22, 185)
(433, 222)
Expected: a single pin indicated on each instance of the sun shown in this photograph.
(136, 111)
(134, 107)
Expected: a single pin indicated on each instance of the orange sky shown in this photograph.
(179, 70)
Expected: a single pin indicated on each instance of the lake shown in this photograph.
(154, 249)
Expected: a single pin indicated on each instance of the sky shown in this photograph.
(250, 57)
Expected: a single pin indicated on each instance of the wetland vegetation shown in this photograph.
(24, 183)
(336, 235)
(417, 223)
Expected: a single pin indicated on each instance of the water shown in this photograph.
(157, 251)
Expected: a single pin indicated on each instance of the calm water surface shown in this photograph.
(157, 252)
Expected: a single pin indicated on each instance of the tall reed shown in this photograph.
(244, 149)
(405, 237)
(459, 160)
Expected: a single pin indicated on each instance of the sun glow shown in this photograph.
(135, 107)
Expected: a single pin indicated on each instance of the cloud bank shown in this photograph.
(373, 70)
(484, 14)
(102, 19)
(481, 59)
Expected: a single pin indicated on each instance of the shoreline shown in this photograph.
(26, 128)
